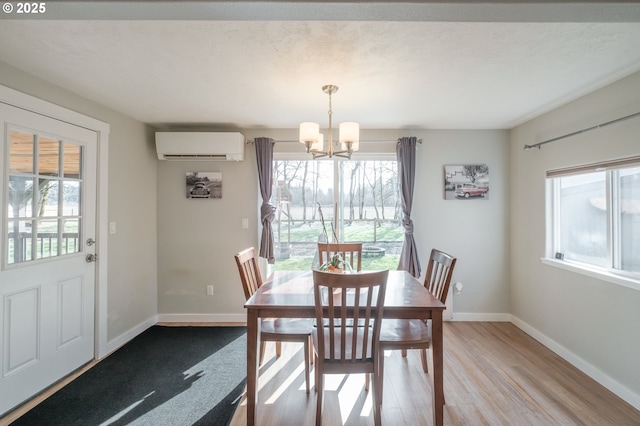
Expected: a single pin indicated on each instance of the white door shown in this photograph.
(48, 216)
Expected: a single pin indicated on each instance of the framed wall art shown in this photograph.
(204, 185)
(466, 182)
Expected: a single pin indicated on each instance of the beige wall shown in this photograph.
(476, 231)
(198, 238)
(132, 254)
(594, 322)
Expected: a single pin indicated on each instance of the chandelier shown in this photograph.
(313, 140)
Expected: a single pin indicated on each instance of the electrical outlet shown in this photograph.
(209, 290)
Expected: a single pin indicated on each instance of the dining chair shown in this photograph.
(346, 337)
(274, 329)
(351, 252)
(407, 334)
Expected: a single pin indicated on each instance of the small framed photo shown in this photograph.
(204, 185)
(466, 182)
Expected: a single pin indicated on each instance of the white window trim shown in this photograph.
(593, 272)
(619, 277)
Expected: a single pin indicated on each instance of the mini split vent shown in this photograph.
(209, 146)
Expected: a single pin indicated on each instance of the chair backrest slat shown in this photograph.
(249, 271)
(349, 305)
(439, 273)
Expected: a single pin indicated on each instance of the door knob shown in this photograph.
(91, 258)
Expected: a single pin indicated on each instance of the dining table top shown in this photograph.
(292, 293)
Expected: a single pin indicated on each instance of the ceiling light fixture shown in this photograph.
(313, 140)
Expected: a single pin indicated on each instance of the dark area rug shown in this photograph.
(165, 376)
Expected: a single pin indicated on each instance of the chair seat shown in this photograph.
(292, 326)
(273, 329)
(416, 334)
(401, 333)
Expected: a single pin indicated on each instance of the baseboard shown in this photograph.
(486, 317)
(590, 370)
(196, 318)
(125, 337)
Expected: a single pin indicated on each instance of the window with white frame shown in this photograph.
(595, 215)
(360, 202)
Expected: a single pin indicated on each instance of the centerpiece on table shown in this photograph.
(335, 263)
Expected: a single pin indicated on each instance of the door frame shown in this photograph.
(30, 103)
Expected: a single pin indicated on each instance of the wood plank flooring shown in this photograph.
(495, 374)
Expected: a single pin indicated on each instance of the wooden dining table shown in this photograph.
(289, 294)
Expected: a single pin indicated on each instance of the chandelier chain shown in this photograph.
(330, 124)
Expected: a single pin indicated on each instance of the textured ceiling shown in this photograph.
(266, 73)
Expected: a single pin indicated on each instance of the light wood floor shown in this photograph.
(495, 374)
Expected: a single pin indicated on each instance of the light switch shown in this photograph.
(245, 223)
(112, 228)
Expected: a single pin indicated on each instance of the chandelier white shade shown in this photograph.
(350, 133)
(310, 132)
(349, 136)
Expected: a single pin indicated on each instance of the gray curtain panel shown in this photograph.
(264, 157)
(406, 155)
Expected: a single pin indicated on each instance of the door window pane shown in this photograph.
(21, 152)
(299, 187)
(71, 236)
(20, 202)
(583, 218)
(72, 161)
(47, 238)
(48, 200)
(630, 219)
(70, 198)
(48, 156)
(372, 210)
(20, 241)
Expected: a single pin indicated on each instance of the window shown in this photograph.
(43, 203)
(360, 201)
(595, 215)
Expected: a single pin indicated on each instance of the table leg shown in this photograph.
(437, 371)
(253, 345)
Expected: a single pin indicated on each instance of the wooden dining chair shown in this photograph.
(274, 329)
(350, 252)
(406, 334)
(346, 337)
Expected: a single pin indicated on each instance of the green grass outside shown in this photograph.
(356, 231)
(368, 263)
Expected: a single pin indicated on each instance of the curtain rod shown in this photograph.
(539, 144)
(250, 141)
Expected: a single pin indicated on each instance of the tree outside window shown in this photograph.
(359, 200)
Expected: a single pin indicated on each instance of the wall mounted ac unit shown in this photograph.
(211, 146)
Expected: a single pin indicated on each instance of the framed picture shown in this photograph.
(466, 182)
(204, 185)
